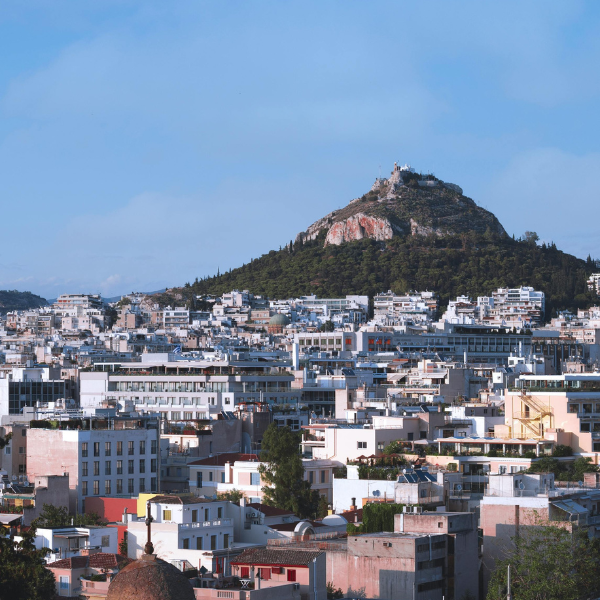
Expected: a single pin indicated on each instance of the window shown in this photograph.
(153, 447)
(84, 469)
(105, 541)
(21, 449)
(142, 446)
(199, 544)
(199, 479)
(502, 469)
(166, 515)
(119, 467)
(226, 540)
(206, 514)
(153, 465)
(84, 489)
(264, 574)
(195, 516)
(130, 448)
(119, 448)
(106, 448)
(142, 465)
(210, 475)
(96, 448)
(153, 484)
(311, 476)
(7, 450)
(188, 416)
(380, 446)
(410, 436)
(23, 432)
(186, 543)
(142, 485)
(291, 574)
(96, 468)
(130, 486)
(130, 467)
(213, 542)
(175, 416)
(119, 486)
(96, 488)
(64, 582)
(84, 449)
(107, 467)
(223, 477)
(432, 585)
(244, 572)
(220, 512)
(254, 478)
(360, 445)
(107, 487)
(322, 476)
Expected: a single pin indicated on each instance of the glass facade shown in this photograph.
(27, 393)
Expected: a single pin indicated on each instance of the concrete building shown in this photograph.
(186, 390)
(562, 408)
(116, 457)
(429, 556)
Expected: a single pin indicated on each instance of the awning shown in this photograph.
(8, 519)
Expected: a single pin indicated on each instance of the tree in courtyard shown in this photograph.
(58, 516)
(283, 473)
(23, 575)
(548, 562)
(232, 495)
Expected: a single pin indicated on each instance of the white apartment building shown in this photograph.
(186, 390)
(67, 542)
(187, 528)
(594, 283)
(233, 471)
(414, 306)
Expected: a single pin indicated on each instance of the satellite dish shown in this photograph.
(14, 477)
(376, 493)
(521, 486)
(458, 487)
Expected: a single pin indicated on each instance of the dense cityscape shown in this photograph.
(460, 422)
(299, 300)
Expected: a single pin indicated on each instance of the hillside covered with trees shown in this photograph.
(14, 300)
(471, 263)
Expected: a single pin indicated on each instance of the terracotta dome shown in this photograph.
(150, 578)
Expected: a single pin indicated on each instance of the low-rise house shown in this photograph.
(303, 570)
(86, 577)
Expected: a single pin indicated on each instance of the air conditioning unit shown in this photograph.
(296, 586)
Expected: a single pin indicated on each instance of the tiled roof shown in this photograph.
(106, 560)
(219, 460)
(100, 560)
(76, 562)
(269, 511)
(276, 557)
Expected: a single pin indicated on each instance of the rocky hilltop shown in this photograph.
(405, 204)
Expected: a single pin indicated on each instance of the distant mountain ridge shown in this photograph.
(14, 300)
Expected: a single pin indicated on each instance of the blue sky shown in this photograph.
(143, 144)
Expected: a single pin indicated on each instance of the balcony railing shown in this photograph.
(214, 523)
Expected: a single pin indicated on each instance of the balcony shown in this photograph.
(202, 524)
(94, 589)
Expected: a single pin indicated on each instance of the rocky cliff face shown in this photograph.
(404, 204)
